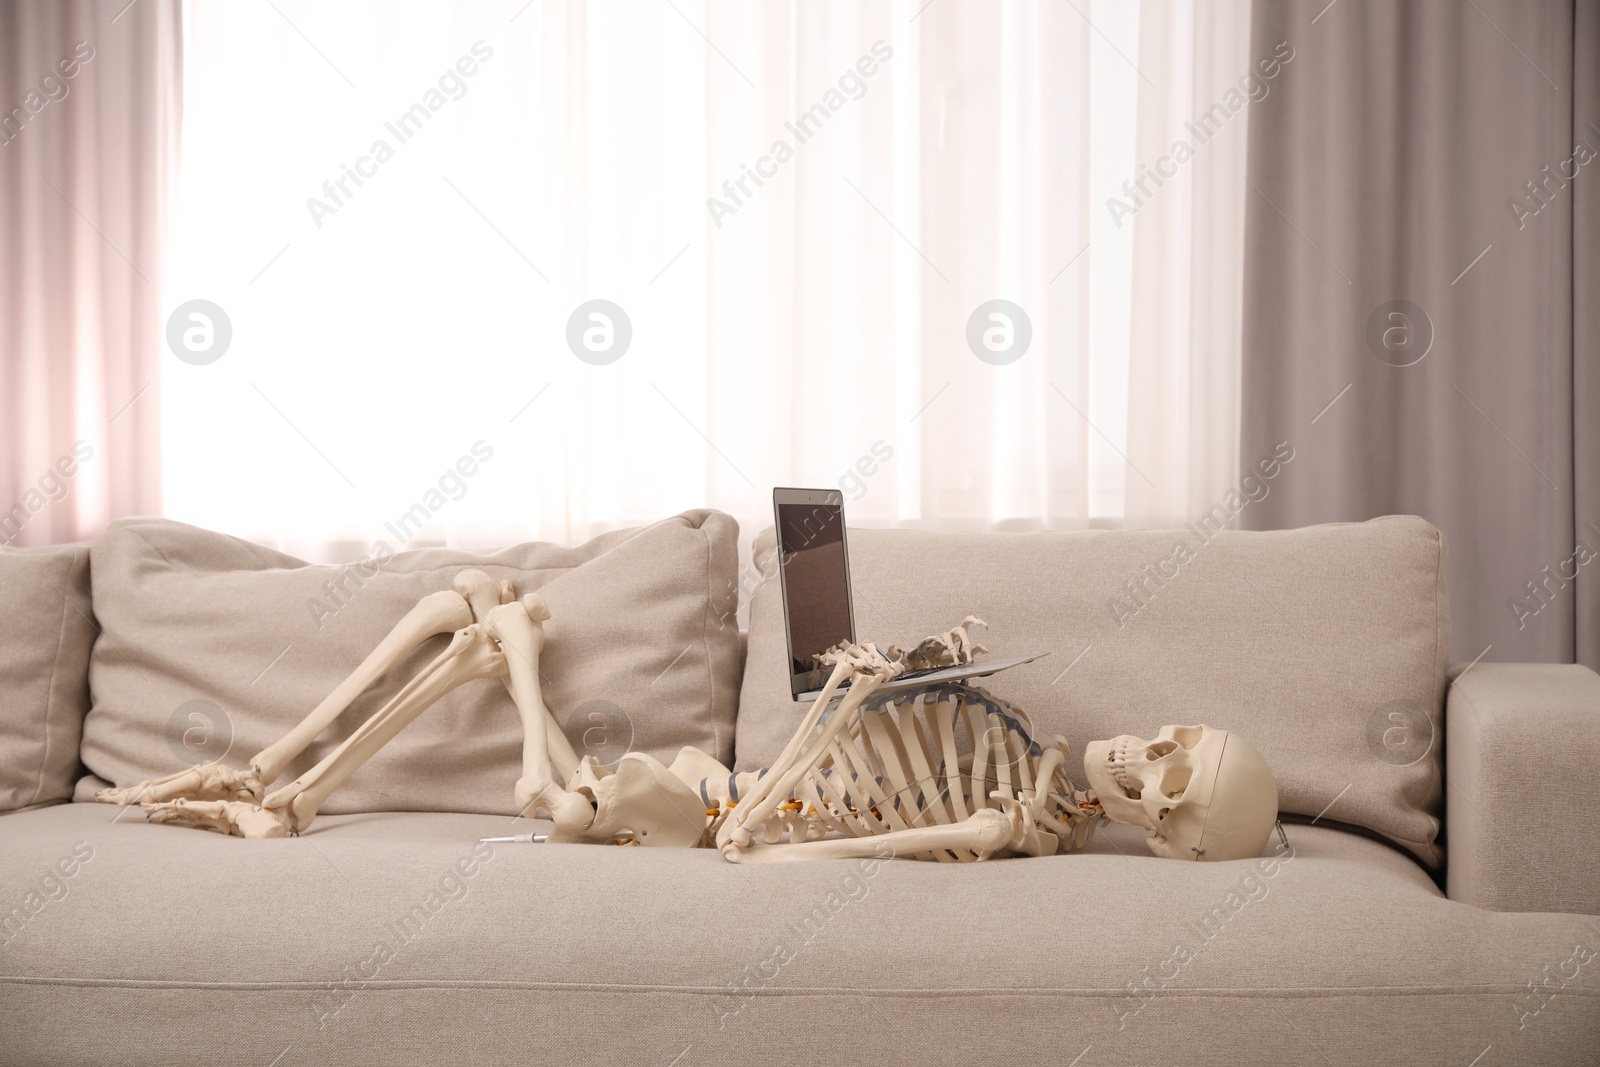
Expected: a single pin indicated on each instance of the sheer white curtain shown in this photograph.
(799, 207)
(89, 103)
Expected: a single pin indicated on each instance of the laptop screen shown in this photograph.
(816, 581)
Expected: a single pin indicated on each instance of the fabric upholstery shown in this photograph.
(179, 947)
(1522, 744)
(1324, 647)
(46, 631)
(214, 647)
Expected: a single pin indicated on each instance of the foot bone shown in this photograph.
(207, 781)
(224, 816)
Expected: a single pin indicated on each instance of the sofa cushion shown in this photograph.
(1325, 647)
(46, 630)
(214, 647)
(398, 938)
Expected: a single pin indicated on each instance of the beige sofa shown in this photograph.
(1436, 902)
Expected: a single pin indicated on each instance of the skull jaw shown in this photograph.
(1176, 836)
(1203, 793)
(1118, 806)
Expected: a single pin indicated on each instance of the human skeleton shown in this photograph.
(946, 773)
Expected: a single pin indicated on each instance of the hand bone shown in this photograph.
(861, 660)
(949, 649)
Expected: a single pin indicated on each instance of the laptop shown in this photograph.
(814, 574)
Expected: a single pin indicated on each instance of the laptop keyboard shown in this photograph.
(914, 674)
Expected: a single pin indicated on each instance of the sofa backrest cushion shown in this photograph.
(1325, 647)
(46, 630)
(213, 647)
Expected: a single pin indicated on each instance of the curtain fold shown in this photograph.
(805, 212)
(1586, 328)
(89, 113)
(1188, 252)
(1418, 218)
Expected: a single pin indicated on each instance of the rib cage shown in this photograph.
(931, 756)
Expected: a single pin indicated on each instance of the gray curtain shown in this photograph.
(1420, 296)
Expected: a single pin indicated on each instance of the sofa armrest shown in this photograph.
(1522, 787)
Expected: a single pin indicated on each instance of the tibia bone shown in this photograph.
(436, 613)
(471, 655)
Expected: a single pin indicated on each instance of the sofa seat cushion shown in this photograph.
(214, 647)
(394, 937)
(1324, 647)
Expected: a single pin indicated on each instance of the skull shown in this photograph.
(1207, 794)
